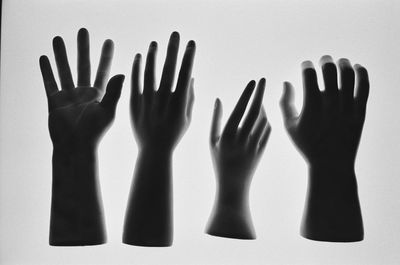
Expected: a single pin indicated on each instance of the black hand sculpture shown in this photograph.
(236, 153)
(78, 117)
(327, 133)
(159, 120)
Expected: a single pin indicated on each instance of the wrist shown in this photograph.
(330, 179)
(231, 215)
(155, 151)
(332, 165)
(332, 211)
(234, 194)
(74, 148)
(231, 220)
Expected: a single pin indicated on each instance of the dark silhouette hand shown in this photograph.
(161, 117)
(236, 153)
(327, 133)
(159, 120)
(76, 113)
(78, 117)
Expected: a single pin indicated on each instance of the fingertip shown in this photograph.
(191, 44)
(359, 67)
(83, 31)
(262, 84)
(108, 44)
(57, 40)
(153, 45)
(252, 83)
(175, 35)
(217, 104)
(325, 59)
(287, 93)
(287, 86)
(138, 57)
(109, 41)
(307, 65)
(121, 77)
(361, 70)
(118, 78)
(344, 62)
(43, 59)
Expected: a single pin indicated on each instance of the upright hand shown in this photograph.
(331, 121)
(236, 153)
(160, 117)
(80, 114)
(327, 132)
(78, 117)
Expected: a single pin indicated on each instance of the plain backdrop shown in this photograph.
(236, 41)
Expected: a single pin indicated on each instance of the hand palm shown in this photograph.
(324, 135)
(161, 117)
(80, 114)
(237, 151)
(330, 125)
(162, 129)
(77, 114)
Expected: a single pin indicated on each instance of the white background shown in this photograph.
(237, 42)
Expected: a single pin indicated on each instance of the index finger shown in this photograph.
(237, 113)
(103, 70)
(49, 81)
(185, 72)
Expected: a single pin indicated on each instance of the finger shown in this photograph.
(190, 103)
(168, 74)
(135, 86)
(258, 129)
(237, 113)
(310, 88)
(149, 72)
(64, 71)
(83, 58)
(254, 110)
(288, 107)
(113, 92)
(216, 122)
(185, 72)
(329, 73)
(362, 89)
(50, 84)
(264, 138)
(347, 78)
(103, 71)
(262, 113)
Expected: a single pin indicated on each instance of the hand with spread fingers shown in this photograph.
(236, 153)
(159, 120)
(78, 117)
(327, 133)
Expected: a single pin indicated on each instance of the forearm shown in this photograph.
(76, 208)
(149, 218)
(332, 211)
(231, 215)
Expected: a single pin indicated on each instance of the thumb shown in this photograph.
(216, 122)
(288, 108)
(113, 92)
